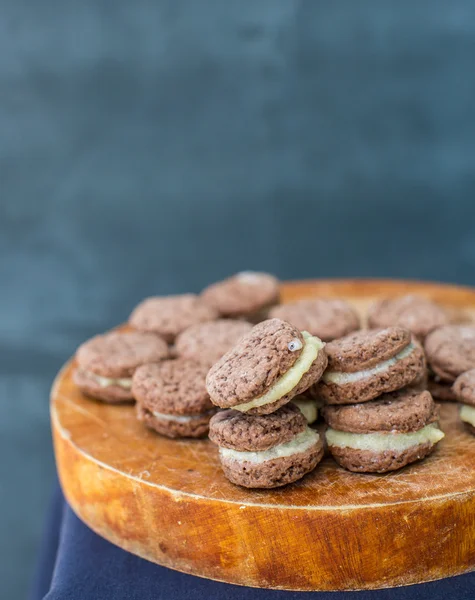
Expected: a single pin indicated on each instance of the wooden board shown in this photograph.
(168, 501)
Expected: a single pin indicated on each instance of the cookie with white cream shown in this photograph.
(267, 368)
(384, 434)
(265, 451)
(248, 295)
(208, 342)
(365, 364)
(172, 399)
(168, 316)
(328, 318)
(106, 363)
(418, 314)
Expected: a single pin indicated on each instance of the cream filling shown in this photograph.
(467, 414)
(311, 348)
(181, 418)
(300, 443)
(307, 407)
(123, 382)
(341, 378)
(384, 441)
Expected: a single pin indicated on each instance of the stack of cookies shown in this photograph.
(264, 441)
(370, 429)
(416, 313)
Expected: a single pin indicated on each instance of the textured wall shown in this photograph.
(151, 147)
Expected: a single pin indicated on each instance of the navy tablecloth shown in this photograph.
(77, 564)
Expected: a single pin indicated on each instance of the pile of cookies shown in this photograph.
(264, 440)
(254, 373)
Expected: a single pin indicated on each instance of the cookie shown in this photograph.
(307, 406)
(450, 351)
(405, 410)
(256, 433)
(464, 390)
(327, 318)
(170, 315)
(384, 434)
(248, 294)
(464, 387)
(383, 461)
(267, 368)
(416, 313)
(107, 362)
(172, 398)
(265, 451)
(365, 364)
(208, 342)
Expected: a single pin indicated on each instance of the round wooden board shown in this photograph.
(168, 501)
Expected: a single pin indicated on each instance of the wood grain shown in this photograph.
(169, 502)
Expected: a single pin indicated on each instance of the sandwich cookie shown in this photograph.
(416, 313)
(170, 315)
(365, 364)
(327, 318)
(258, 451)
(450, 351)
(107, 362)
(208, 342)
(172, 399)
(266, 369)
(246, 295)
(384, 434)
(464, 389)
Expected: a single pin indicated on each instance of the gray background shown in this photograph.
(152, 147)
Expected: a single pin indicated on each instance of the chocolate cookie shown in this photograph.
(239, 431)
(267, 368)
(208, 342)
(382, 461)
(365, 364)
(327, 318)
(384, 434)
(404, 411)
(450, 351)
(265, 451)
(464, 389)
(416, 313)
(172, 399)
(248, 294)
(170, 315)
(107, 362)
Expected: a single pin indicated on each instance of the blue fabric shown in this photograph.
(77, 564)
